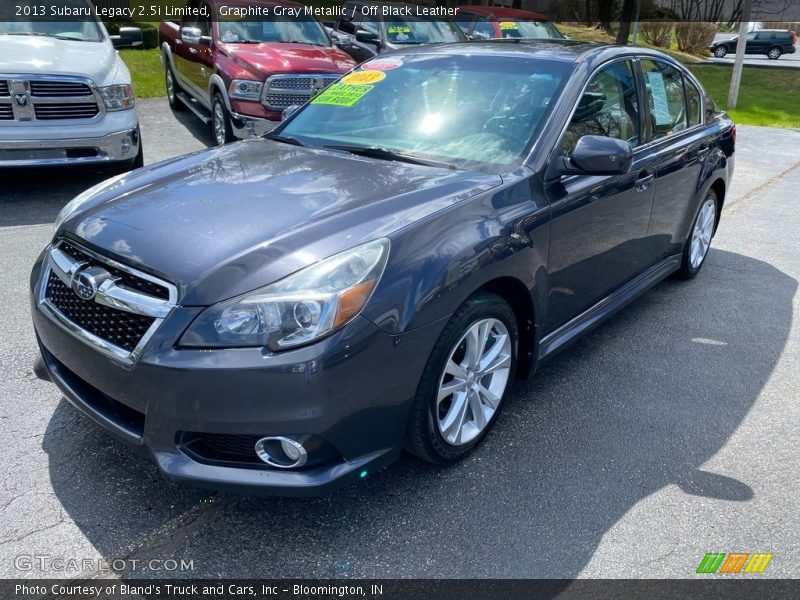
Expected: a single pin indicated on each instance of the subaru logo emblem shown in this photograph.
(86, 282)
(21, 99)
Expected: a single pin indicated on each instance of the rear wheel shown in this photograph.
(175, 103)
(774, 53)
(720, 51)
(467, 377)
(221, 122)
(696, 249)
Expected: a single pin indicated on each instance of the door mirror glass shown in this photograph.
(599, 155)
(191, 35)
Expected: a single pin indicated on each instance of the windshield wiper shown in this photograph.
(386, 154)
(285, 139)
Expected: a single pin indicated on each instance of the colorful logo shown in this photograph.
(734, 562)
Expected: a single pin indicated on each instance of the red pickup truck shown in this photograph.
(239, 75)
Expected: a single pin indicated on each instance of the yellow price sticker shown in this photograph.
(364, 77)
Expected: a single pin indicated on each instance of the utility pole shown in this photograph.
(736, 79)
(636, 21)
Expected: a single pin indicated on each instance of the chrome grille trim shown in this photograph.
(32, 98)
(282, 91)
(109, 294)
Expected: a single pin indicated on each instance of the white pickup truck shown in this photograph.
(65, 94)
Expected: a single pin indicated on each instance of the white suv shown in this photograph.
(65, 94)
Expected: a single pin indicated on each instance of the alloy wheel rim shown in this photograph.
(720, 52)
(473, 382)
(774, 54)
(219, 124)
(170, 87)
(701, 233)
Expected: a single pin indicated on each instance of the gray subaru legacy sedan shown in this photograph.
(286, 315)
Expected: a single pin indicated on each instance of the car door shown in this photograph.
(598, 223)
(193, 59)
(678, 148)
(752, 44)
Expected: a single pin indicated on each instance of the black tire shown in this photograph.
(423, 437)
(720, 51)
(687, 271)
(226, 136)
(175, 103)
(774, 53)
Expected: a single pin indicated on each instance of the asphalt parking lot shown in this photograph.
(669, 432)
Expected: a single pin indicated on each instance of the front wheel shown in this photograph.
(774, 53)
(221, 122)
(720, 51)
(467, 377)
(696, 249)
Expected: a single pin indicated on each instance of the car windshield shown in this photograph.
(273, 29)
(472, 112)
(422, 31)
(540, 30)
(83, 28)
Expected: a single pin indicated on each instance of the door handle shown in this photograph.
(192, 50)
(643, 181)
(703, 152)
(178, 42)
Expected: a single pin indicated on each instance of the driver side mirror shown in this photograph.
(128, 37)
(191, 35)
(367, 37)
(599, 155)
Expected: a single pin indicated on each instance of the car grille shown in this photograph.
(283, 91)
(47, 100)
(123, 329)
(118, 321)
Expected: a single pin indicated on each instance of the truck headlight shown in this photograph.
(245, 89)
(298, 309)
(118, 97)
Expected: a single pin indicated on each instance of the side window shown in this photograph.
(203, 23)
(483, 29)
(711, 108)
(693, 99)
(608, 108)
(665, 95)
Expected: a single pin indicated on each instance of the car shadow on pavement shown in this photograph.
(642, 403)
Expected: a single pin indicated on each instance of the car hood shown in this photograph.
(222, 222)
(270, 58)
(33, 55)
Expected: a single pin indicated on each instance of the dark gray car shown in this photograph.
(287, 314)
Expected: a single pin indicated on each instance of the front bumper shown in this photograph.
(353, 391)
(114, 139)
(245, 127)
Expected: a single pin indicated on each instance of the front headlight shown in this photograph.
(299, 309)
(245, 89)
(82, 198)
(118, 97)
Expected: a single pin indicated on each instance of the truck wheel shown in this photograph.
(221, 122)
(175, 103)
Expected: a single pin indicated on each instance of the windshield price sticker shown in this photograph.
(364, 77)
(508, 25)
(341, 94)
(383, 64)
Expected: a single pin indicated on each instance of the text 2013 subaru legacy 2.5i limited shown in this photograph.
(287, 314)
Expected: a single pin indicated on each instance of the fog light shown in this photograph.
(125, 145)
(281, 452)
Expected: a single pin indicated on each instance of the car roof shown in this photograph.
(502, 12)
(570, 51)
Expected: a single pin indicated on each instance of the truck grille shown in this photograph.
(59, 89)
(123, 329)
(283, 91)
(120, 316)
(32, 99)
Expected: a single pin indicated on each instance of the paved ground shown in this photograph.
(669, 432)
(787, 61)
